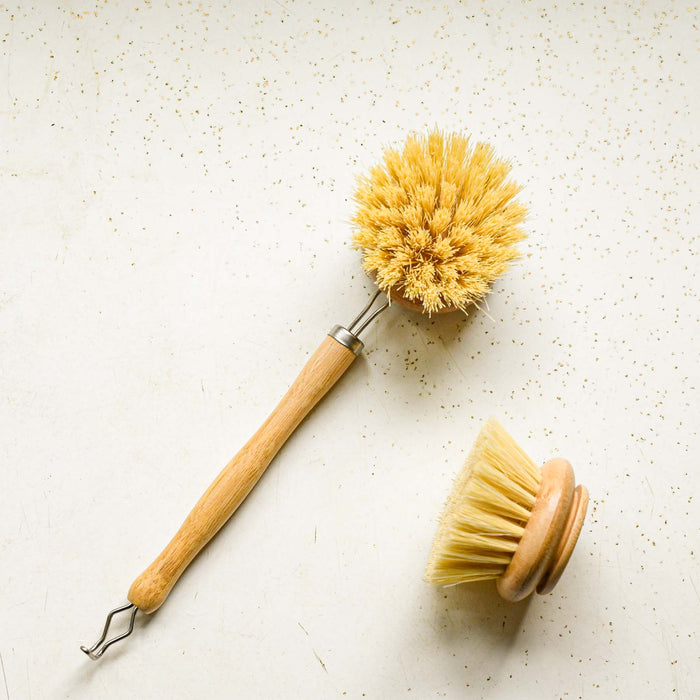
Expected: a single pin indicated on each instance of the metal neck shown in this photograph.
(349, 337)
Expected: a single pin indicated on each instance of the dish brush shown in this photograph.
(436, 223)
(508, 520)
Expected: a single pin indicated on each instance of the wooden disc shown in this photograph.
(542, 533)
(568, 541)
(396, 296)
(416, 306)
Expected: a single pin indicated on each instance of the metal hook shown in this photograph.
(93, 652)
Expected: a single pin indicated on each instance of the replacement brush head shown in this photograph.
(437, 223)
(506, 519)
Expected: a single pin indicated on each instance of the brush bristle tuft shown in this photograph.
(486, 512)
(436, 222)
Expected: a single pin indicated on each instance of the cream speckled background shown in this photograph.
(174, 207)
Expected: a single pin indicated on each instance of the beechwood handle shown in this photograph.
(229, 489)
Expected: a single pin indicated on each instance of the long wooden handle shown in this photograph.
(229, 489)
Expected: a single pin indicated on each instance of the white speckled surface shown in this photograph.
(174, 206)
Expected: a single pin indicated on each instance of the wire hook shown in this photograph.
(100, 646)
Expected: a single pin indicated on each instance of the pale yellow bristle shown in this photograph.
(436, 222)
(486, 512)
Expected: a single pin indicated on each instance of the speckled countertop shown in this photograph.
(174, 225)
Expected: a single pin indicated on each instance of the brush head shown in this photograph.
(437, 223)
(486, 513)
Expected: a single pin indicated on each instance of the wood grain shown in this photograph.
(232, 485)
(543, 532)
(568, 540)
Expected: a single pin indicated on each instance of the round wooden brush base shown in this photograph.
(568, 540)
(550, 534)
(401, 300)
(394, 295)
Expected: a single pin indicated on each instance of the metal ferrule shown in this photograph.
(346, 338)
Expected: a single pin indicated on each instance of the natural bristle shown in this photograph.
(486, 512)
(436, 222)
